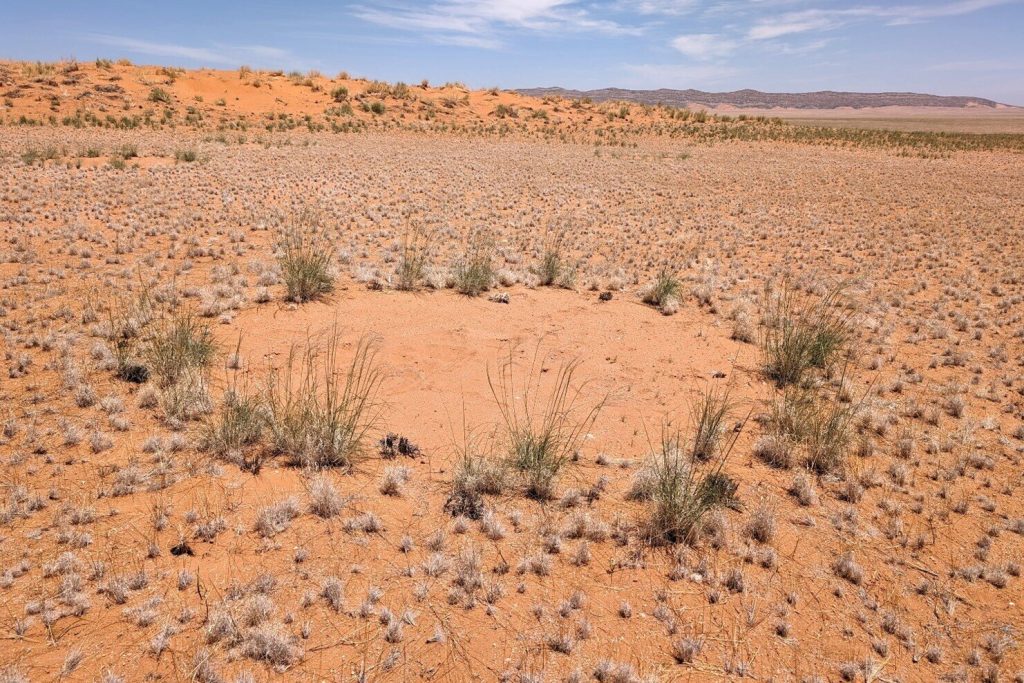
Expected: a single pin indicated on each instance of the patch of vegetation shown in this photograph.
(803, 334)
(413, 259)
(664, 291)
(237, 427)
(305, 258)
(554, 269)
(186, 155)
(176, 346)
(807, 426)
(477, 474)
(160, 96)
(710, 415)
(319, 413)
(505, 111)
(541, 430)
(682, 490)
(474, 273)
(34, 155)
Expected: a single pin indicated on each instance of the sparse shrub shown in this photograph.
(186, 155)
(392, 445)
(761, 525)
(774, 450)
(540, 434)
(474, 272)
(709, 414)
(608, 671)
(333, 593)
(817, 427)
(324, 500)
(413, 259)
(663, 293)
(393, 479)
(318, 414)
(505, 111)
(177, 345)
(476, 475)
(305, 259)
(802, 488)
(188, 398)
(339, 94)
(685, 650)
(237, 427)
(734, 580)
(684, 490)
(275, 518)
(159, 95)
(272, 644)
(801, 335)
(554, 270)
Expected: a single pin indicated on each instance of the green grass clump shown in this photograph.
(305, 259)
(474, 273)
(318, 413)
(801, 335)
(237, 427)
(32, 156)
(505, 111)
(476, 474)
(176, 346)
(816, 429)
(413, 259)
(682, 490)
(186, 155)
(664, 289)
(541, 433)
(710, 415)
(554, 269)
(159, 95)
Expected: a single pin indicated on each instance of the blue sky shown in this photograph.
(949, 47)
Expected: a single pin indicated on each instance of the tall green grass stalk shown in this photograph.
(305, 258)
(542, 431)
(318, 413)
(801, 335)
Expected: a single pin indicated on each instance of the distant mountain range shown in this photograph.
(755, 99)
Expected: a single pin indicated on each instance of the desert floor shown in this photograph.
(938, 119)
(132, 549)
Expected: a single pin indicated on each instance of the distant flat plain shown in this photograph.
(935, 119)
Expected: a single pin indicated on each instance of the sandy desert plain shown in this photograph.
(315, 378)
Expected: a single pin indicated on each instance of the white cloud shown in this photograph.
(703, 45)
(905, 14)
(218, 54)
(450, 21)
(665, 7)
(789, 23)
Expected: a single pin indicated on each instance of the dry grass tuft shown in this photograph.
(541, 434)
(318, 414)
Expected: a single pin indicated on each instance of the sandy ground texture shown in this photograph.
(170, 511)
(937, 119)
